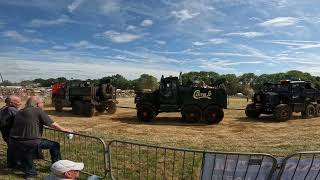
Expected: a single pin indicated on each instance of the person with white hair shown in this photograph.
(25, 136)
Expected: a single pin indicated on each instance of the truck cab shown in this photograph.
(168, 91)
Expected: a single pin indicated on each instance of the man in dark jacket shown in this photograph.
(25, 136)
(8, 113)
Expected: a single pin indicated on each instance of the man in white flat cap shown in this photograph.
(65, 170)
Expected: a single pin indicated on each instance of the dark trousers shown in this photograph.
(54, 149)
(10, 161)
(26, 151)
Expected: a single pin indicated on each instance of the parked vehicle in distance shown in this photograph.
(283, 98)
(83, 97)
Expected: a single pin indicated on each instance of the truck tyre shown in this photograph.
(282, 112)
(309, 112)
(317, 110)
(100, 108)
(111, 108)
(146, 113)
(252, 112)
(191, 114)
(88, 110)
(58, 106)
(77, 107)
(213, 114)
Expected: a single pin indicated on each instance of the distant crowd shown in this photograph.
(23, 92)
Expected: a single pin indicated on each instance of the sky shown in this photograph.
(89, 39)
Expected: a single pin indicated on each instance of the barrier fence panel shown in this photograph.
(300, 166)
(80, 148)
(219, 166)
(139, 161)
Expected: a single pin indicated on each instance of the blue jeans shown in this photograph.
(54, 149)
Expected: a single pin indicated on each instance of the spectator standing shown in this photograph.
(8, 113)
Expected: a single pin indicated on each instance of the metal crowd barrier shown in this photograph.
(128, 160)
(81, 148)
(300, 166)
(221, 165)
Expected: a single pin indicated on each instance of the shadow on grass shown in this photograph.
(266, 119)
(162, 121)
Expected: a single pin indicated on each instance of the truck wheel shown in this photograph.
(77, 107)
(88, 110)
(213, 114)
(111, 108)
(317, 110)
(146, 113)
(282, 112)
(191, 114)
(100, 108)
(309, 112)
(58, 106)
(252, 112)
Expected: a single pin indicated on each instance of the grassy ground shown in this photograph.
(235, 133)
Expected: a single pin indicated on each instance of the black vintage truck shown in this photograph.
(82, 97)
(196, 103)
(283, 98)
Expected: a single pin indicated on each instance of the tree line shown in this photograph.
(245, 83)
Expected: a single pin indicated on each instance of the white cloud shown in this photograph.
(122, 37)
(161, 42)
(131, 28)
(30, 31)
(59, 47)
(294, 44)
(18, 69)
(110, 6)
(280, 22)
(223, 65)
(20, 37)
(212, 30)
(2, 24)
(15, 36)
(146, 22)
(41, 22)
(211, 41)
(199, 43)
(184, 15)
(218, 41)
(85, 45)
(74, 5)
(246, 34)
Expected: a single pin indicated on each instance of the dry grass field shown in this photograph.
(235, 133)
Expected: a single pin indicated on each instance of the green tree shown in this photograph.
(146, 81)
